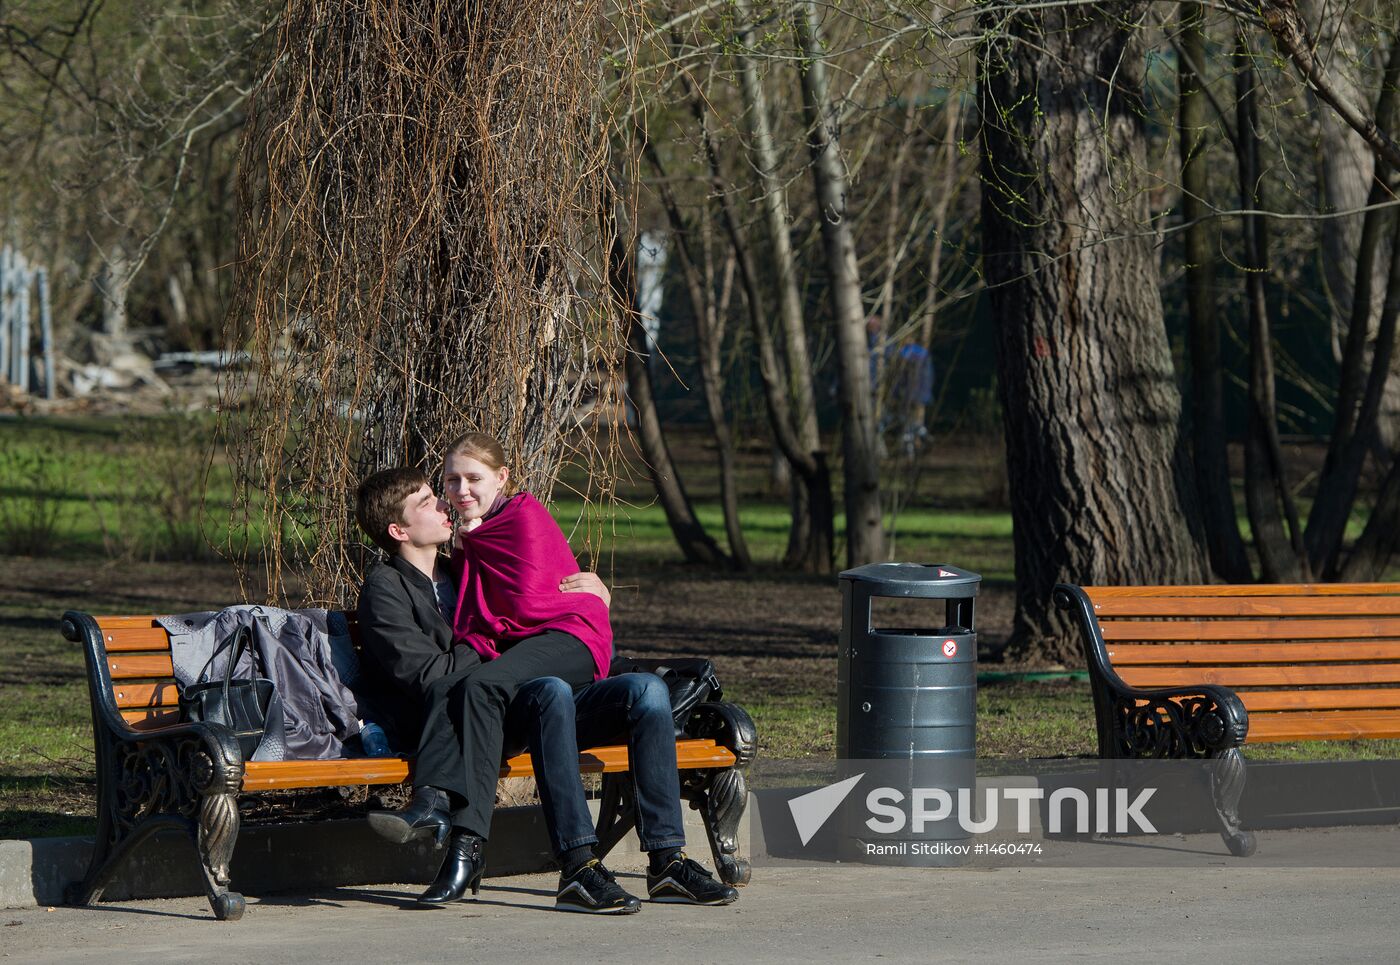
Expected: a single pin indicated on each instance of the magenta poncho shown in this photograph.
(508, 574)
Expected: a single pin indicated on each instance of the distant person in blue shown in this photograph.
(902, 374)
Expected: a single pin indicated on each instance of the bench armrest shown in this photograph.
(207, 751)
(1166, 722)
(728, 725)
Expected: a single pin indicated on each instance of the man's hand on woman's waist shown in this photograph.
(587, 583)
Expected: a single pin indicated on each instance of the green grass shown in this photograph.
(979, 540)
(1352, 750)
(1023, 719)
(133, 488)
(136, 488)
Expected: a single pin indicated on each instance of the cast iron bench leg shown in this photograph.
(721, 797)
(218, 832)
(1226, 787)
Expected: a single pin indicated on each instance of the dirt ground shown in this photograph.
(773, 633)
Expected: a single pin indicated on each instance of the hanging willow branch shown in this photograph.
(418, 256)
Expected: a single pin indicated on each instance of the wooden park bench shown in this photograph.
(1199, 671)
(155, 772)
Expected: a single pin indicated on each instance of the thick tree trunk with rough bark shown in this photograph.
(865, 537)
(1101, 488)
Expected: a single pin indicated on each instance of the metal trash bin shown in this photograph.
(909, 694)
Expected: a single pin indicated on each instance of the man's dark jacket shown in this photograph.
(409, 642)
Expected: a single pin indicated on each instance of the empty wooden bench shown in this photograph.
(1199, 671)
(155, 772)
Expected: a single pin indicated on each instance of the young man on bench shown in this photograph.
(464, 712)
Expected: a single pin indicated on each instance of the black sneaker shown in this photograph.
(593, 889)
(683, 881)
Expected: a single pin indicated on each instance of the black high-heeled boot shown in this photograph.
(461, 869)
(425, 814)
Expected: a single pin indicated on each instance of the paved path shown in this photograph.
(1231, 912)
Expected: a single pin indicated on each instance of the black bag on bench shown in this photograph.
(252, 709)
(691, 680)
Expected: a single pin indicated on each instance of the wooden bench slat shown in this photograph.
(136, 639)
(1371, 698)
(1097, 593)
(1323, 725)
(1198, 654)
(147, 719)
(1312, 606)
(127, 622)
(269, 775)
(131, 695)
(1316, 675)
(1339, 629)
(1306, 661)
(135, 666)
(273, 775)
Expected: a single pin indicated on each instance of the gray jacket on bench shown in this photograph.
(294, 651)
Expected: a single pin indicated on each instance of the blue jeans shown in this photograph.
(555, 722)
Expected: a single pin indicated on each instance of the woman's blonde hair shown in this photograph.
(483, 448)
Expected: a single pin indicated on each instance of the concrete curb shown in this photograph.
(294, 857)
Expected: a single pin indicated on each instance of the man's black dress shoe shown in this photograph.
(424, 815)
(461, 869)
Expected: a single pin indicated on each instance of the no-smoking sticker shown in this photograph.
(950, 648)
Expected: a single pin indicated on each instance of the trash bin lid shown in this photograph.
(929, 580)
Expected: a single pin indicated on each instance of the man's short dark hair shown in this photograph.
(380, 501)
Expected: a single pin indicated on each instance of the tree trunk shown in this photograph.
(1267, 498)
(1377, 542)
(1227, 551)
(178, 325)
(113, 282)
(708, 317)
(811, 541)
(928, 310)
(709, 341)
(865, 541)
(695, 544)
(1345, 166)
(1381, 537)
(1362, 398)
(1101, 488)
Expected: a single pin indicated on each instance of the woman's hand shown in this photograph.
(587, 583)
(463, 530)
